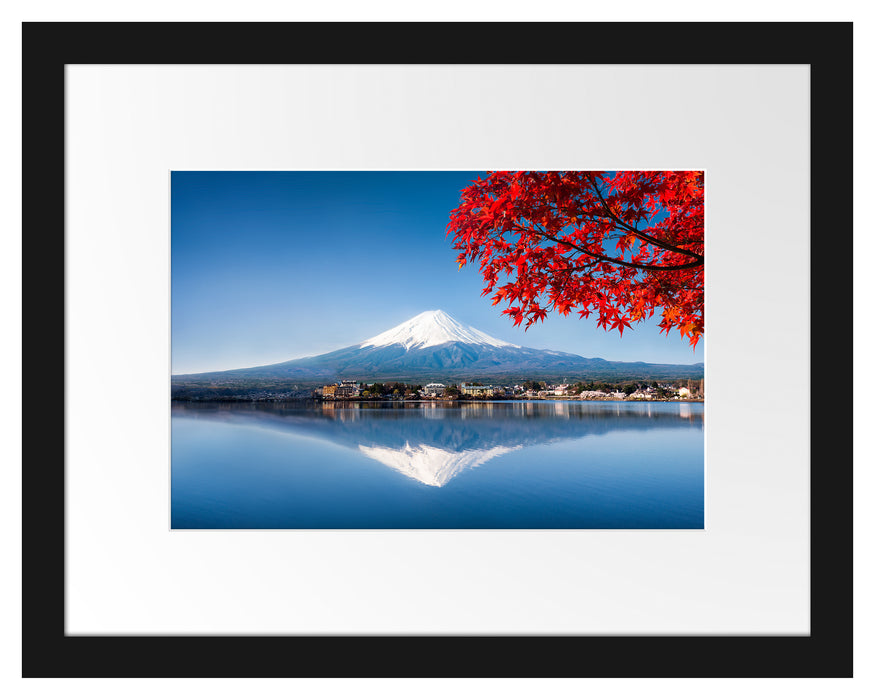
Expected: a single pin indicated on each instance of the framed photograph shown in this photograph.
(367, 345)
(434, 423)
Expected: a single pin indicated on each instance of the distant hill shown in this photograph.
(433, 346)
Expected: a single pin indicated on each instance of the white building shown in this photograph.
(592, 394)
(479, 390)
(348, 388)
(434, 389)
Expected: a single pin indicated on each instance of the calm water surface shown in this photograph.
(541, 464)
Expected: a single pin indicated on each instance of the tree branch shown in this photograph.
(616, 261)
(636, 232)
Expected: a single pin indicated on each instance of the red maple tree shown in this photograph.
(619, 244)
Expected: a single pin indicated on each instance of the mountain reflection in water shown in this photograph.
(434, 442)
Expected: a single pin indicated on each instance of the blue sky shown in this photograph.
(269, 266)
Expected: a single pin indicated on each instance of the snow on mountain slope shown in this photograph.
(433, 346)
(432, 328)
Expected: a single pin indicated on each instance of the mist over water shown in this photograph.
(539, 464)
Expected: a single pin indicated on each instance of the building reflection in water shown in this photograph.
(432, 443)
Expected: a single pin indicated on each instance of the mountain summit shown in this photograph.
(433, 346)
(431, 328)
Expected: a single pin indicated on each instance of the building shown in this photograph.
(434, 389)
(347, 389)
(592, 394)
(481, 390)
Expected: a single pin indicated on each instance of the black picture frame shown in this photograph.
(49, 652)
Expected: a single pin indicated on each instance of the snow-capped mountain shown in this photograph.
(431, 328)
(435, 346)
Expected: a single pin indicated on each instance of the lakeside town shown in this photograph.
(244, 390)
(345, 390)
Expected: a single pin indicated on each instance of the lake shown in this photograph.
(509, 464)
